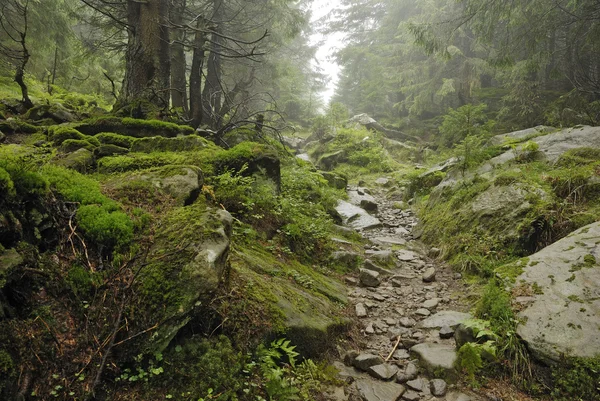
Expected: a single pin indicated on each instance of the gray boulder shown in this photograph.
(364, 361)
(563, 318)
(437, 358)
(371, 390)
(444, 318)
(369, 278)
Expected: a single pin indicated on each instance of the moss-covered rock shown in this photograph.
(82, 160)
(182, 183)
(187, 262)
(109, 150)
(17, 127)
(56, 112)
(110, 138)
(160, 144)
(258, 158)
(9, 259)
(71, 145)
(59, 134)
(132, 127)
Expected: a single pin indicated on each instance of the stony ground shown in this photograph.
(409, 307)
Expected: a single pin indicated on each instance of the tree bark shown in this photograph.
(196, 107)
(213, 92)
(147, 69)
(178, 62)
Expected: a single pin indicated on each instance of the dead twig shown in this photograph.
(393, 349)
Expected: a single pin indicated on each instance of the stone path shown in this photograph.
(408, 305)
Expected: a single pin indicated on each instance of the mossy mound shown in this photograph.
(55, 112)
(17, 127)
(132, 127)
(160, 144)
(110, 138)
(184, 268)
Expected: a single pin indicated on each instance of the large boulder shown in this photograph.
(563, 319)
(186, 264)
(56, 112)
(522, 135)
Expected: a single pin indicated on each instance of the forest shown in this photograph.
(186, 214)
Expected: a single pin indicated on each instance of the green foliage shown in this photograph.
(7, 370)
(106, 227)
(577, 379)
(111, 138)
(469, 360)
(579, 157)
(7, 187)
(464, 122)
(59, 134)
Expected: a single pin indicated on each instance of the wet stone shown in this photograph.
(384, 371)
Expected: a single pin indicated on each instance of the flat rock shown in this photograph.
(444, 318)
(446, 332)
(411, 395)
(384, 371)
(431, 303)
(406, 255)
(372, 390)
(384, 256)
(437, 357)
(389, 240)
(369, 278)
(360, 309)
(563, 319)
(370, 265)
(364, 361)
(417, 384)
(422, 312)
(407, 322)
(356, 217)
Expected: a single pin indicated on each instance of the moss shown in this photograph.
(576, 379)
(589, 260)
(104, 226)
(160, 144)
(109, 150)
(7, 371)
(133, 127)
(579, 157)
(17, 127)
(71, 145)
(109, 138)
(59, 134)
(7, 186)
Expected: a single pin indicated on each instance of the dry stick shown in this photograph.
(82, 242)
(393, 349)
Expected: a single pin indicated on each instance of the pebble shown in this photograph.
(407, 322)
(422, 312)
(438, 387)
(361, 311)
(369, 329)
(431, 303)
(429, 275)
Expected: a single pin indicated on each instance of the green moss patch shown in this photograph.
(132, 127)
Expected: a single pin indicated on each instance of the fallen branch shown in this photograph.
(393, 349)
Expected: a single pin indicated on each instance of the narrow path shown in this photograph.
(409, 306)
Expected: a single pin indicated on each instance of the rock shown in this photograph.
(341, 230)
(422, 312)
(521, 135)
(182, 183)
(411, 395)
(356, 217)
(56, 112)
(384, 371)
(444, 318)
(434, 253)
(437, 358)
(407, 322)
(109, 150)
(401, 354)
(406, 256)
(370, 329)
(81, 160)
(369, 265)
(328, 161)
(335, 180)
(368, 205)
(9, 259)
(429, 275)
(304, 156)
(389, 241)
(431, 303)
(411, 371)
(417, 384)
(351, 280)
(438, 387)
(382, 181)
(364, 361)
(361, 311)
(369, 278)
(446, 332)
(463, 335)
(458, 396)
(563, 319)
(371, 390)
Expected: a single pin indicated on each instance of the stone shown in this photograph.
(401, 354)
(407, 322)
(349, 357)
(382, 181)
(371, 390)
(368, 205)
(351, 280)
(389, 241)
(9, 259)
(520, 135)
(82, 161)
(369, 278)
(429, 275)
(370, 329)
(417, 384)
(335, 180)
(458, 396)
(378, 297)
(411, 371)
(356, 217)
(391, 321)
(370, 265)
(444, 318)
(411, 395)
(384, 256)
(360, 309)
(349, 259)
(422, 312)
(364, 361)
(384, 371)
(434, 253)
(431, 303)
(438, 387)
(437, 358)
(446, 332)
(406, 255)
(563, 319)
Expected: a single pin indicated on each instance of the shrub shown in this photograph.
(468, 120)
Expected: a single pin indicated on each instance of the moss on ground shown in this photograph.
(132, 127)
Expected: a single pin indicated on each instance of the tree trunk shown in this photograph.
(178, 62)
(147, 68)
(196, 74)
(212, 93)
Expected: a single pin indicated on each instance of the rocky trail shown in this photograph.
(409, 305)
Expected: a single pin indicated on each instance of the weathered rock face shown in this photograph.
(564, 317)
(56, 112)
(185, 266)
(356, 217)
(521, 135)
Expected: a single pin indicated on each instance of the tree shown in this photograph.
(14, 21)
